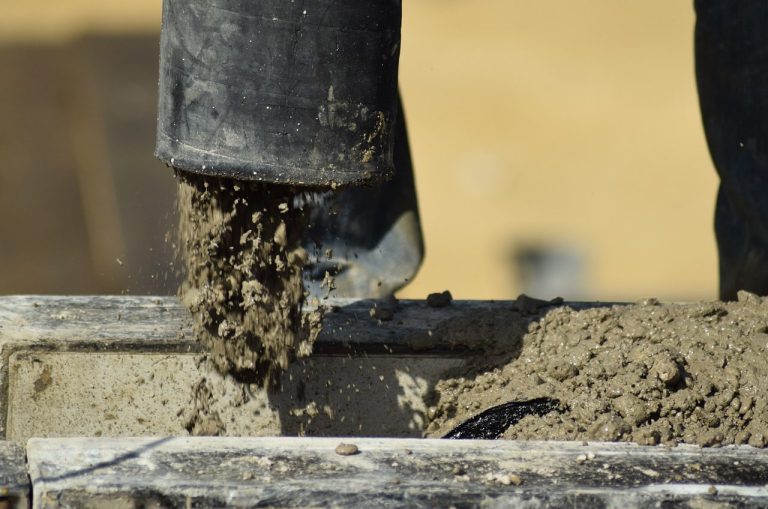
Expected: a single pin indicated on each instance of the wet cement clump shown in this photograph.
(240, 246)
(648, 373)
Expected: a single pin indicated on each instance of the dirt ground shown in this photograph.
(648, 373)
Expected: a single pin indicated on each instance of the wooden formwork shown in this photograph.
(104, 370)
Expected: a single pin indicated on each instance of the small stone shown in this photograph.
(439, 300)
(745, 296)
(561, 370)
(581, 458)
(247, 476)
(347, 449)
(528, 305)
(712, 490)
(505, 479)
(383, 314)
(590, 455)
(458, 470)
(667, 370)
(384, 309)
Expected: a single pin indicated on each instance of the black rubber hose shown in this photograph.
(302, 93)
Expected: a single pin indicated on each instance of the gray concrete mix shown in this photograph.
(14, 483)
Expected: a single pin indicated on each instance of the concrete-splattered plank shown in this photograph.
(72, 322)
(308, 472)
(142, 360)
(14, 483)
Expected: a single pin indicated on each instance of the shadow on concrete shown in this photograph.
(363, 390)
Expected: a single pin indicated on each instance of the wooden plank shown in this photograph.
(304, 472)
(119, 321)
(142, 360)
(14, 483)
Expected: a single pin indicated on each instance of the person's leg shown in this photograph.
(732, 76)
(373, 235)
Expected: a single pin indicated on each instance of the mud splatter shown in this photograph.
(240, 246)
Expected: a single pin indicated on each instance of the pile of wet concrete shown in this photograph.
(648, 373)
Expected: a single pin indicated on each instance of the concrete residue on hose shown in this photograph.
(648, 373)
(240, 246)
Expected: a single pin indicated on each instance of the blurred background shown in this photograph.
(557, 147)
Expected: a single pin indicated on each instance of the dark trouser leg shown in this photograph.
(732, 76)
(374, 234)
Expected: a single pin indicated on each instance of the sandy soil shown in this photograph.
(648, 373)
